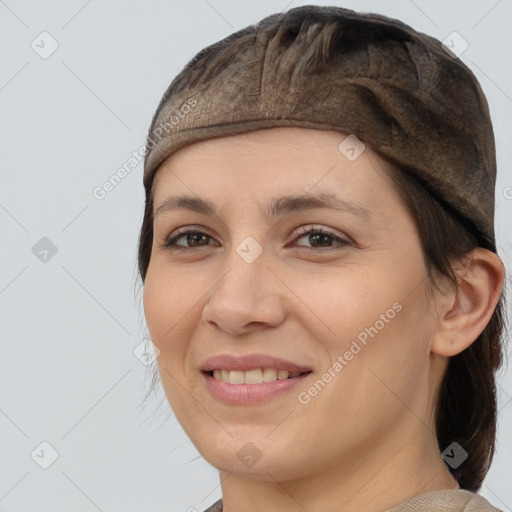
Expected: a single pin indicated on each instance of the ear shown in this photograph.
(463, 314)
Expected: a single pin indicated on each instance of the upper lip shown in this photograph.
(250, 362)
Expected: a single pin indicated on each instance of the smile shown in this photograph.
(255, 376)
(245, 393)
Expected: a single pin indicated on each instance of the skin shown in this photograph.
(367, 439)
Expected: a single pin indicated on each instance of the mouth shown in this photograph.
(251, 378)
(251, 387)
(254, 376)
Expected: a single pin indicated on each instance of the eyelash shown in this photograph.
(171, 242)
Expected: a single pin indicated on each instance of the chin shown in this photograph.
(261, 470)
(259, 460)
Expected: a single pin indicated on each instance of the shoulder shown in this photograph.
(458, 500)
(449, 500)
(216, 507)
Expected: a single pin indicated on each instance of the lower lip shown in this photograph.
(249, 393)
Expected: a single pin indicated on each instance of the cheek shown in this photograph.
(169, 299)
(378, 326)
(156, 306)
(374, 382)
(354, 304)
(168, 317)
(386, 363)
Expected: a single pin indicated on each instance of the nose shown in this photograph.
(248, 296)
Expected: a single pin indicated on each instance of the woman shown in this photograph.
(319, 265)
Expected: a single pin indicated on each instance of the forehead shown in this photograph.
(273, 174)
(285, 159)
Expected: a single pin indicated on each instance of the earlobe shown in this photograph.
(464, 314)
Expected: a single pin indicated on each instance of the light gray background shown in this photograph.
(70, 324)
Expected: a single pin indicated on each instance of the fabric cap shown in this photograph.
(401, 92)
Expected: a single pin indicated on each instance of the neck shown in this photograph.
(390, 473)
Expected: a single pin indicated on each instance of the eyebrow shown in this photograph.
(278, 206)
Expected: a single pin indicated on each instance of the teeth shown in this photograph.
(255, 376)
(269, 374)
(236, 377)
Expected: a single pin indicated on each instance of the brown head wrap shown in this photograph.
(399, 91)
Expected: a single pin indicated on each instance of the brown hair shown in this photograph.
(466, 409)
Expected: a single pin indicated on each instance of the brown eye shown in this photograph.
(192, 237)
(318, 237)
(321, 237)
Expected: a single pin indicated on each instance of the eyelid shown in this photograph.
(314, 228)
(192, 228)
(182, 231)
(341, 238)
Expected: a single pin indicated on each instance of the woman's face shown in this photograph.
(348, 305)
